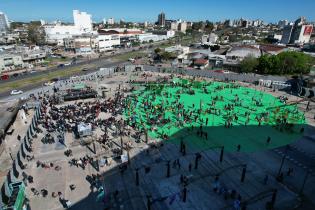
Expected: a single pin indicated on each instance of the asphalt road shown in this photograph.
(100, 63)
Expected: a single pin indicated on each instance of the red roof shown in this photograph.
(201, 62)
(271, 48)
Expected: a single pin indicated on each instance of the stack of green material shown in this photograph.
(246, 131)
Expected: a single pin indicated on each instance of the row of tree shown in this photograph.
(285, 63)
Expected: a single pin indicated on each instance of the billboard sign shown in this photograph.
(308, 30)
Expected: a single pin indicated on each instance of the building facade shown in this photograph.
(10, 62)
(107, 42)
(82, 21)
(55, 34)
(111, 21)
(4, 23)
(161, 19)
(299, 33)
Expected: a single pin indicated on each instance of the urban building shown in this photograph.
(110, 21)
(168, 33)
(83, 21)
(56, 33)
(298, 33)
(150, 37)
(107, 42)
(9, 62)
(283, 23)
(210, 39)
(161, 19)
(122, 32)
(238, 53)
(82, 45)
(174, 25)
(4, 23)
(182, 26)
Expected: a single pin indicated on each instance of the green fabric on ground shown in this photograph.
(210, 96)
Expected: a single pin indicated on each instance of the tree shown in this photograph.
(209, 27)
(197, 26)
(285, 63)
(157, 50)
(35, 33)
(249, 64)
(167, 55)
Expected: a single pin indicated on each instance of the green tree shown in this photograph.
(249, 64)
(167, 55)
(157, 50)
(35, 33)
(285, 63)
(208, 27)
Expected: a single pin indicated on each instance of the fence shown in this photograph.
(15, 173)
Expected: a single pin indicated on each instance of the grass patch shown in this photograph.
(126, 56)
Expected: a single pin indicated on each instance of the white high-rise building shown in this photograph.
(56, 33)
(4, 22)
(111, 21)
(82, 20)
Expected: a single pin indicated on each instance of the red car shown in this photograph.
(4, 77)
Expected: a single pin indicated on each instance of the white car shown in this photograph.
(49, 83)
(16, 92)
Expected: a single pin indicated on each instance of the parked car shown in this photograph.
(16, 92)
(85, 69)
(50, 83)
(61, 65)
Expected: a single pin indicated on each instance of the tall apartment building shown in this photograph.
(161, 19)
(82, 20)
(4, 23)
(298, 33)
(110, 21)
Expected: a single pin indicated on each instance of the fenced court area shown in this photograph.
(207, 114)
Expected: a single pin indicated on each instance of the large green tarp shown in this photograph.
(255, 115)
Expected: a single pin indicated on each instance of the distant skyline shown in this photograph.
(148, 10)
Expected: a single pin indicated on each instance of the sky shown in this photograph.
(148, 10)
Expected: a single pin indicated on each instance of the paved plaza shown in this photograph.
(146, 151)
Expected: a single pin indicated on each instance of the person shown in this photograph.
(189, 167)
(72, 187)
(238, 147)
(268, 140)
